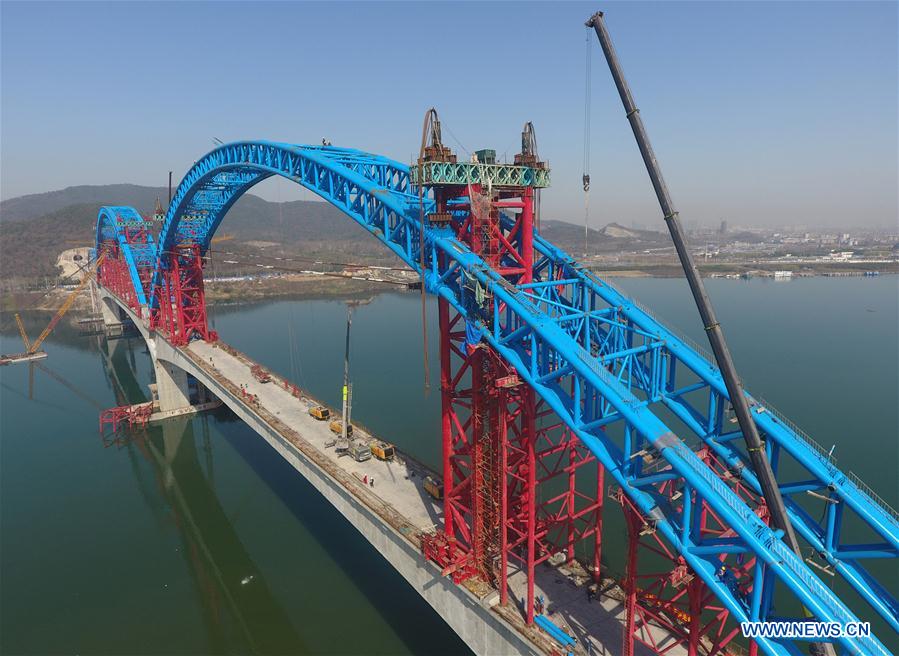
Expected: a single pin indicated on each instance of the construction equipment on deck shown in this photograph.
(346, 428)
(359, 451)
(761, 466)
(320, 412)
(433, 488)
(336, 427)
(736, 394)
(260, 374)
(382, 450)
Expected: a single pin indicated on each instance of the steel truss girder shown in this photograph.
(781, 438)
(113, 224)
(545, 346)
(537, 345)
(669, 596)
(370, 188)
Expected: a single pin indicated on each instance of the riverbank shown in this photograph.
(798, 269)
(308, 287)
(218, 292)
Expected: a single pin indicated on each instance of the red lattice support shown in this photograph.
(666, 604)
(500, 448)
(136, 416)
(181, 314)
(114, 275)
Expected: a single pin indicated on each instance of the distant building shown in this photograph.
(722, 230)
(840, 256)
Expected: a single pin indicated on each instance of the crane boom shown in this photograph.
(70, 299)
(344, 442)
(22, 332)
(757, 455)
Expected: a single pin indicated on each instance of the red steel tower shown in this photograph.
(518, 487)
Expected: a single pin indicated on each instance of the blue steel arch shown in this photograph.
(112, 221)
(559, 327)
(371, 189)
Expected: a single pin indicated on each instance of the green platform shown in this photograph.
(464, 173)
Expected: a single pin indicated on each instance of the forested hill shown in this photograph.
(35, 229)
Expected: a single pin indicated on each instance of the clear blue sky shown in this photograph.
(761, 113)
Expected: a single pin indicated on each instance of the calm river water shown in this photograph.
(107, 549)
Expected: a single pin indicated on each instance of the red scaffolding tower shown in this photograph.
(666, 604)
(181, 295)
(518, 487)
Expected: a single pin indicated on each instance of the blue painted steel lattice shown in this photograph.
(596, 358)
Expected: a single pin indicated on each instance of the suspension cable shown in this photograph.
(431, 125)
(585, 178)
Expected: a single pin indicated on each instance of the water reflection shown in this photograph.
(238, 606)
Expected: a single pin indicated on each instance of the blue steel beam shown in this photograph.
(809, 455)
(111, 224)
(593, 355)
(591, 381)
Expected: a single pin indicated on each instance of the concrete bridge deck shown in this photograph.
(394, 513)
(399, 499)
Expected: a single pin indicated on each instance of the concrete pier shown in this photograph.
(172, 389)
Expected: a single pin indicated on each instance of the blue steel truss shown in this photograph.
(112, 222)
(601, 362)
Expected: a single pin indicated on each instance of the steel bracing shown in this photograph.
(638, 397)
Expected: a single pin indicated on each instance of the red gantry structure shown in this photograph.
(518, 487)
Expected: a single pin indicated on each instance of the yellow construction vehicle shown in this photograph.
(320, 412)
(336, 427)
(382, 450)
(433, 488)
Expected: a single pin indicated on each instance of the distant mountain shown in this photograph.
(35, 205)
(618, 231)
(566, 234)
(250, 218)
(34, 229)
(29, 247)
(608, 238)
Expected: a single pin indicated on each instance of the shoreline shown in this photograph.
(234, 293)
